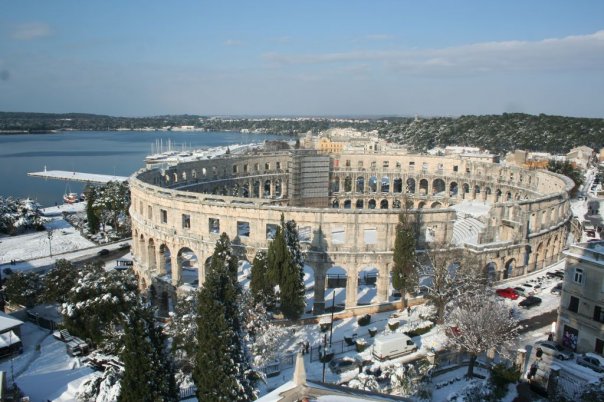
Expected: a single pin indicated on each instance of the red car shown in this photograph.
(507, 293)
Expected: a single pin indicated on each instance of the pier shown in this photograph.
(77, 176)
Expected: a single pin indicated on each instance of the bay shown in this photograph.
(103, 152)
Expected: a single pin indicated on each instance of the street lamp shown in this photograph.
(49, 234)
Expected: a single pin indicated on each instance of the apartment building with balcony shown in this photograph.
(581, 312)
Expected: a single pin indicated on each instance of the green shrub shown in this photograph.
(419, 331)
(501, 376)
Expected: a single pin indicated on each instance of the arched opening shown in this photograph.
(189, 268)
(384, 204)
(508, 196)
(421, 205)
(278, 188)
(397, 185)
(335, 185)
(309, 287)
(371, 204)
(466, 188)
(436, 205)
(509, 269)
(438, 187)
(335, 285)
(453, 189)
(367, 290)
(359, 204)
(385, 184)
(411, 186)
(497, 195)
(347, 204)
(477, 189)
(396, 204)
(335, 204)
(165, 262)
(245, 190)
(491, 272)
(348, 184)
(372, 184)
(360, 184)
(266, 193)
(423, 187)
(256, 192)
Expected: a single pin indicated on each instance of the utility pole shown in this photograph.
(49, 233)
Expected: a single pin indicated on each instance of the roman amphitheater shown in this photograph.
(346, 206)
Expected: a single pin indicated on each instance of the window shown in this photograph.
(256, 168)
(370, 236)
(164, 216)
(271, 231)
(245, 168)
(267, 166)
(599, 314)
(149, 212)
(243, 229)
(373, 164)
(235, 168)
(573, 305)
(277, 165)
(338, 236)
(186, 221)
(386, 164)
(412, 164)
(360, 164)
(578, 278)
(347, 162)
(398, 165)
(304, 234)
(214, 225)
(456, 168)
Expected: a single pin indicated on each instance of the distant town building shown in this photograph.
(581, 313)
(581, 156)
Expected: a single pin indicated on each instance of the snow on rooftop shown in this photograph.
(475, 208)
(8, 322)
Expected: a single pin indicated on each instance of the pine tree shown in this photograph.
(91, 214)
(148, 369)
(404, 271)
(222, 371)
(261, 287)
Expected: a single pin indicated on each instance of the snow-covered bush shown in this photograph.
(103, 387)
(23, 288)
(19, 215)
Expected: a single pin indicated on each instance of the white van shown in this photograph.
(392, 345)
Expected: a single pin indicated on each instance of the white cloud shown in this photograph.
(233, 42)
(31, 30)
(568, 53)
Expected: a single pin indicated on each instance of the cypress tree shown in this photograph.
(148, 369)
(261, 287)
(222, 371)
(93, 220)
(404, 271)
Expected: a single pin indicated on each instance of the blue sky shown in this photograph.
(141, 58)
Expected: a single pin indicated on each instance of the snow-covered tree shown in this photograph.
(19, 215)
(57, 283)
(23, 288)
(182, 329)
(102, 387)
(96, 301)
(286, 268)
(263, 338)
(445, 274)
(109, 203)
(404, 271)
(148, 369)
(481, 322)
(222, 371)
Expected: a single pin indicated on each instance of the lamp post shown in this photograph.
(333, 305)
(49, 234)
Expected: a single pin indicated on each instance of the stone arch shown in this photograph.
(245, 190)
(347, 204)
(385, 184)
(193, 173)
(453, 189)
(508, 196)
(334, 293)
(491, 273)
(411, 185)
(266, 189)
(438, 187)
(372, 184)
(423, 187)
(510, 265)
(359, 204)
(436, 205)
(396, 204)
(278, 188)
(335, 185)
(476, 189)
(384, 204)
(256, 189)
(367, 281)
(497, 195)
(347, 184)
(150, 257)
(142, 252)
(466, 189)
(397, 185)
(188, 266)
(421, 205)
(335, 204)
(537, 258)
(371, 204)
(360, 184)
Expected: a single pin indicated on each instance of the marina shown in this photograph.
(77, 176)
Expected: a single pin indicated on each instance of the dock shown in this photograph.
(77, 176)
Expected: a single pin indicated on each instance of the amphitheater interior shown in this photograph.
(346, 206)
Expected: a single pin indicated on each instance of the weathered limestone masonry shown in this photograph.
(346, 207)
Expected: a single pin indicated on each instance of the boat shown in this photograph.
(71, 198)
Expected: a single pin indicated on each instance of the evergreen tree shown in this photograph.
(285, 267)
(222, 371)
(261, 287)
(57, 282)
(404, 271)
(94, 222)
(148, 369)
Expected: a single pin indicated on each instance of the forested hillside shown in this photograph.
(498, 133)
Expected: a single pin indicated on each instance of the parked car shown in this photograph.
(342, 364)
(553, 349)
(555, 274)
(530, 301)
(593, 361)
(508, 293)
(521, 291)
(557, 289)
(103, 252)
(531, 289)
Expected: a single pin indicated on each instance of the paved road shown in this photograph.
(538, 321)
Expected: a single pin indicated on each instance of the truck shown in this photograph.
(392, 345)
